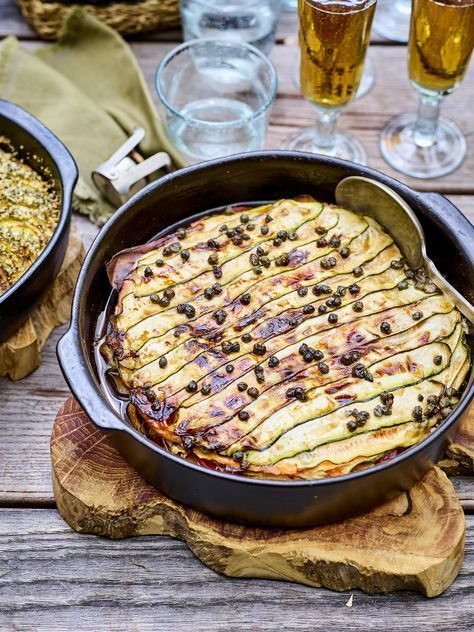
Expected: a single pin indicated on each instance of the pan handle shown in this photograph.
(82, 386)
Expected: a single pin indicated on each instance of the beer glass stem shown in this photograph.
(427, 118)
(325, 129)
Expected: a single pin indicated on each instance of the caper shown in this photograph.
(217, 288)
(385, 327)
(219, 316)
(396, 264)
(259, 349)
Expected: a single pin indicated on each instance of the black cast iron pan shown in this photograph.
(249, 178)
(41, 150)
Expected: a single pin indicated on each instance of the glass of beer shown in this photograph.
(423, 144)
(334, 35)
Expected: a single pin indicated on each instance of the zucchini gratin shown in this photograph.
(29, 213)
(287, 340)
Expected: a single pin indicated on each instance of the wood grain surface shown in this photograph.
(51, 579)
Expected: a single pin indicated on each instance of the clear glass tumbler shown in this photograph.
(392, 19)
(331, 70)
(251, 21)
(216, 97)
(423, 144)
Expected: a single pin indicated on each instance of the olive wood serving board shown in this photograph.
(20, 355)
(415, 542)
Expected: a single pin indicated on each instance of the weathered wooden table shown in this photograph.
(54, 579)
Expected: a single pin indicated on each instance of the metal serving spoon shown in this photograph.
(380, 202)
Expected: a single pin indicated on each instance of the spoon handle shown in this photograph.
(461, 303)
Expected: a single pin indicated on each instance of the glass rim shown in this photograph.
(211, 4)
(316, 4)
(230, 43)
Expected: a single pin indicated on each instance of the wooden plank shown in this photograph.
(464, 486)
(53, 578)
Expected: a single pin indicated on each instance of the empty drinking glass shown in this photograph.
(216, 97)
(251, 21)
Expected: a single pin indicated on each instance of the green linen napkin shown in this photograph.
(89, 90)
